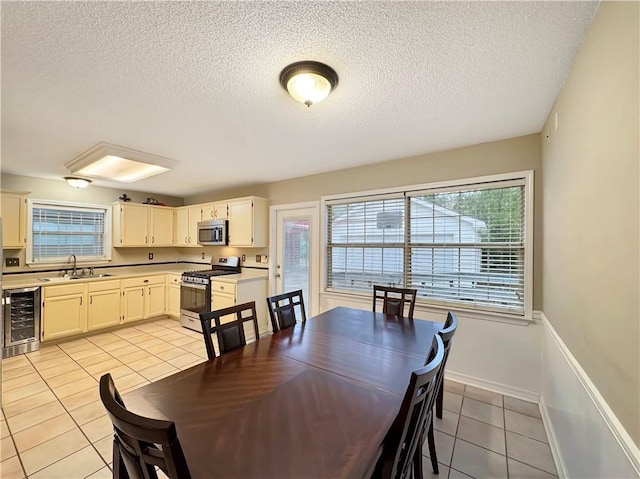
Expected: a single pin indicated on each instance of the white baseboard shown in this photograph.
(493, 386)
(622, 456)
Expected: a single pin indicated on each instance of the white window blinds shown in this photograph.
(460, 246)
(58, 231)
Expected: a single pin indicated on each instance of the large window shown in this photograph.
(464, 245)
(58, 230)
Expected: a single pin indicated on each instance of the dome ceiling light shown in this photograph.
(308, 82)
(77, 182)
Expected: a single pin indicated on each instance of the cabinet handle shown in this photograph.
(221, 288)
(153, 239)
(80, 300)
(146, 281)
(149, 291)
(145, 239)
(90, 299)
(141, 291)
(186, 239)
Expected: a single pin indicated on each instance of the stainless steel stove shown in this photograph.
(195, 289)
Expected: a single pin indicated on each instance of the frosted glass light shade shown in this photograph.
(77, 182)
(309, 82)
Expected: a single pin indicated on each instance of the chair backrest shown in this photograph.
(394, 300)
(404, 436)
(282, 309)
(231, 334)
(141, 443)
(446, 333)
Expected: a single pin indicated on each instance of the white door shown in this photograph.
(296, 251)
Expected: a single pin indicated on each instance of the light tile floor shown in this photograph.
(54, 425)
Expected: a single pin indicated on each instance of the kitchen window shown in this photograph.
(464, 244)
(59, 229)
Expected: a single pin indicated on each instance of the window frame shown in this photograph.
(107, 233)
(450, 185)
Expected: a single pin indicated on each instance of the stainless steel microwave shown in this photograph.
(213, 232)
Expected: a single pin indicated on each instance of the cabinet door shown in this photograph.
(154, 300)
(63, 316)
(134, 225)
(13, 212)
(174, 300)
(182, 227)
(221, 301)
(104, 309)
(133, 303)
(161, 227)
(195, 216)
(241, 223)
(220, 211)
(208, 211)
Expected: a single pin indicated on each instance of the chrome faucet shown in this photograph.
(75, 269)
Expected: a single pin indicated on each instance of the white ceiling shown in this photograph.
(198, 82)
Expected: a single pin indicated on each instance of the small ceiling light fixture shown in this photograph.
(118, 163)
(308, 82)
(77, 182)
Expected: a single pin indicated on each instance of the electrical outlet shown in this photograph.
(202, 255)
(12, 261)
(258, 258)
(244, 258)
(150, 255)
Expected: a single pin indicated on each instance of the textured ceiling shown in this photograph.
(198, 82)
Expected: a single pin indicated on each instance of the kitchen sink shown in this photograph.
(75, 276)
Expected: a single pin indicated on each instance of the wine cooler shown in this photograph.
(21, 309)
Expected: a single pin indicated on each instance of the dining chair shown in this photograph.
(446, 334)
(282, 309)
(394, 300)
(141, 444)
(404, 438)
(230, 335)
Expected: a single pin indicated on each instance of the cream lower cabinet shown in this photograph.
(103, 309)
(226, 294)
(64, 311)
(173, 295)
(143, 298)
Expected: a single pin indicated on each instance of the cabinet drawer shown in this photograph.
(142, 281)
(104, 285)
(63, 290)
(222, 287)
(173, 278)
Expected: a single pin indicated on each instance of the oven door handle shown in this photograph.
(192, 285)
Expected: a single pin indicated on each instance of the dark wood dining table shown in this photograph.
(312, 401)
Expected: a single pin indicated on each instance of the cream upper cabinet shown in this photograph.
(187, 219)
(248, 222)
(142, 225)
(215, 211)
(14, 220)
(64, 311)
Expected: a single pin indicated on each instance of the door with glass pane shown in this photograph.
(296, 265)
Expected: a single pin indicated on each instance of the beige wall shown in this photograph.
(590, 211)
(43, 189)
(516, 154)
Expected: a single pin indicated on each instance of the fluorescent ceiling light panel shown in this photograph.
(117, 163)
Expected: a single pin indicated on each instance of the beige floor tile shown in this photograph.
(448, 424)
(130, 348)
(76, 345)
(518, 470)
(196, 347)
(169, 334)
(134, 357)
(43, 432)
(181, 341)
(30, 418)
(453, 474)
(16, 372)
(98, 428)
(530, 452)
(452, 402)
(56, 365)
(109, 347)
(88, 413)
(7, 448)
(95, 359)
(478, 462)
(104, 473)
(67, 378)
(4, 429)
(144, 363)
(81, 398)
(64, 368)
(47, 453)
(15, 362)
(105, 338)
(80, 464)
(104, 447)
(149, 343)
(187, 366)
(168, 322)
(103, 367)
(129, 381)
(24, 392)
(42, 356)
(526, 425)
(118, 372)
(11, 468)
(147, 327)
(482, 434)
(523, 407)
(158, 348)
(444, 447)
(92, 350)
(174, 352)
(158, 370)
(128, 333)
(483, 395)
(164, 333)
(74, 387)
(28, 403)
(143, 337)
(9, 384)
(483, 412)
(184, 359)
(453, 386)
(427, 470)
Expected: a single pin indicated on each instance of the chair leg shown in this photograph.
(432, 449)
(119, 469)
(440, 401)
(417, 461)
